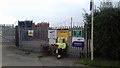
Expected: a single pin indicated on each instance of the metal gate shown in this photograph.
(31, 39)
(74, 52)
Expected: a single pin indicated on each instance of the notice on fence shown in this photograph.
(77, 33)
(81, 39)
(52, 41)
(77, 41)
(52, 34)
(63, 33)
(30, 32)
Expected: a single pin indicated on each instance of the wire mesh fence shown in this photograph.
(35, 42)
(34, 39)
(7, 34)
(74, 52)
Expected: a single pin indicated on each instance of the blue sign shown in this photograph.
(78, 44)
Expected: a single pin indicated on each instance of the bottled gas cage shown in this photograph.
(30, 37)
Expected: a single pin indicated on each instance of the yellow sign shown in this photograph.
(30, 32)
(63, 33)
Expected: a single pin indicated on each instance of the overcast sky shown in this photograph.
(56, 12)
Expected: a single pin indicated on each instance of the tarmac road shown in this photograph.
(12, 56)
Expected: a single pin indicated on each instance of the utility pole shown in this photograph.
(92, 29)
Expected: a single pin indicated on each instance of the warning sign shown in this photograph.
(52, 34)
(63, 33)
(77, 33)
(30, 32)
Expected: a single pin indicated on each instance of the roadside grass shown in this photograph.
(99, 63)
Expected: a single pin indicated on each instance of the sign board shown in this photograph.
(77, 33)
(52, 34)
(78, 44)
(77, 39)
(63, 33)
(52, 41)
(30, 32)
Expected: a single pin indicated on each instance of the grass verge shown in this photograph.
(99, 63)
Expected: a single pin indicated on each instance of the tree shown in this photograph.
(106, 31)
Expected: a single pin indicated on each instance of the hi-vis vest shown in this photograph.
(61, 45)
